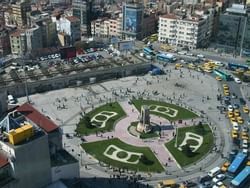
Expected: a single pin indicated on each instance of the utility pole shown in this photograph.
(25, 83)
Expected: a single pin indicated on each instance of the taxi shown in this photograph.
(234, 134)
(225, 86)
(191, 66)
(230, 114)
(248, 163)
(236, 113)
(226, 93)
(233, 119)
(245, 109)
(178, 66)
(218, 78)
(225, 166)
(240, 120)
(244, 136)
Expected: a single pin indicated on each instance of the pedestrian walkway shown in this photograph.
(155, 144)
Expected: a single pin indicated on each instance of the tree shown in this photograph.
(145, 160)
(200, 128)
(186, 149)
(87, 122)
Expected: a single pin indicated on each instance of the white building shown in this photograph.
(71, 26)
(184, 31)
(31, 152)
(107, 27)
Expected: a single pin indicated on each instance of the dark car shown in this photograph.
(204, 179)
(242, 101)
(190, 184)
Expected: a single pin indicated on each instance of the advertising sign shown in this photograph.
(125, 45)
(131, 21)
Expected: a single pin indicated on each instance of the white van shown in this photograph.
(11, 99)
(214, 171)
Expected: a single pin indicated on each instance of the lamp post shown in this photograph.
(176, 135)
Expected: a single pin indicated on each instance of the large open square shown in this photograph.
(112, 105)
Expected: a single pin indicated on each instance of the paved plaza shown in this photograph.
(187, 88)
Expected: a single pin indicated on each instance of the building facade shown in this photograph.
(31, 150)
(82, 9)
(234, 29)
(34, 38)
(106, 27)
(4, 42)
(18, 42)
(19, 12)
(71, 26)
(44, 21)
(190, 32)
(132, 20)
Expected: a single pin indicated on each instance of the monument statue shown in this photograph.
(144, 122)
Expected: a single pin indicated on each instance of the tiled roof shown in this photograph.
(39, 119)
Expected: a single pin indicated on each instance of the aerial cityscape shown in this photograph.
(124, 94)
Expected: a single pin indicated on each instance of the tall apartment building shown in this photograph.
(82, 9)
(4, 42)
(100, 27)
(132, 20)
(18, 42)
(19, 12)
(44, 21)
(31, 152)
(34, 38)
(191, 31)
(107, 27)
(234, 29)
(71, 26)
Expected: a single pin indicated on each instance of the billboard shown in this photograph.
(125, 45)
(67, 53)
(131, 21)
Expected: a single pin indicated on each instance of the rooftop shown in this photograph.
(72, 19)
(35, 116)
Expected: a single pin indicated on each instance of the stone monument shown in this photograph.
(144, 122)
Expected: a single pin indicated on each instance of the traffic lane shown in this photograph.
(235, 88)
(207, 54)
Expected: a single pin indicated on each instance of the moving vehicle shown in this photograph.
(237, 80)
(241, 178)
(168, 58)
(225, 166)
(213, 172)
(11, 99)
(148, 51)
(166, 184)
(237, 163)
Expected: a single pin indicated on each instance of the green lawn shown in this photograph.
(180, 156)
(182, 112)
(114, 107)
(153, 134)
(96, 149)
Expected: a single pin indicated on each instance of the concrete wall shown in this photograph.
(3, 102)
(32, 164)
(18, 90)
(66, 171)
